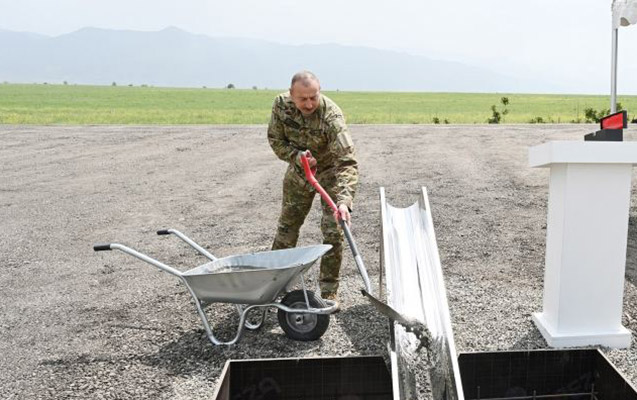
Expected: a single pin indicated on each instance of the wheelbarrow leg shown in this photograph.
(250, 326)
(242, 320)
(204, 319)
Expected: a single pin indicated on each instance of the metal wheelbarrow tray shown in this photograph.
(252, 281)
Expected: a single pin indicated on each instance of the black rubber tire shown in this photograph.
(312, 327)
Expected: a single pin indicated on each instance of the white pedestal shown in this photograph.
(587, 229)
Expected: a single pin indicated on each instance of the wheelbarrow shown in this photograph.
(253, 282)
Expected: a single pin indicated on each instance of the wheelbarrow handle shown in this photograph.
(135, 253)
(102, 246)
(188, 240)
(309, 175)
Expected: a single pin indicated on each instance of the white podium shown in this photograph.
(587, 229)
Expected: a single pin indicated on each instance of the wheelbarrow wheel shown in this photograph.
(303, 326)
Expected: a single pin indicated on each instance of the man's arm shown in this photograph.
(276, 136)
(346, 166)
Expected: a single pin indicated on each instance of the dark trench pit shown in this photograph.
(542, 374)
(584, 374)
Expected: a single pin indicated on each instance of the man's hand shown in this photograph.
(343, 213)
(310, 159)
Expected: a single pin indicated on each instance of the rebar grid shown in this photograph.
(592, 394)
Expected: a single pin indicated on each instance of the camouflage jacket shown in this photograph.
(325, 134)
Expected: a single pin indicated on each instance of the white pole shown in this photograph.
(613, 73)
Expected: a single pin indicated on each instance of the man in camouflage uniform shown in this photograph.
(305, 120)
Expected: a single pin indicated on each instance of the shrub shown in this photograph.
(593, 115)
(230, 86)
(536, 120)
(497, 116)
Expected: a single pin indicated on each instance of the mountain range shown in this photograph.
(174, 57)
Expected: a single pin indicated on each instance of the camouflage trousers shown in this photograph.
(298, 195)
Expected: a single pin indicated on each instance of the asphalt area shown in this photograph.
(79, 324)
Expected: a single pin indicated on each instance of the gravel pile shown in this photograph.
(79, 324)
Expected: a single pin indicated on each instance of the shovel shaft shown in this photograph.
(309, 175)
(357, 257)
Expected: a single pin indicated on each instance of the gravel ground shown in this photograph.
(74, 323)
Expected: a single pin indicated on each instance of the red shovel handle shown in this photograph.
(309, 174)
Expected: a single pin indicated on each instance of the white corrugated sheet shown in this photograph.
(416, 289)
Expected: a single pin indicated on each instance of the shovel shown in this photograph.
(309, 175)
(410, 324)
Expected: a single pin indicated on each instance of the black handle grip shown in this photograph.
(163, 232)
(102, 246)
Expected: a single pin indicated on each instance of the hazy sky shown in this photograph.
(560, 41)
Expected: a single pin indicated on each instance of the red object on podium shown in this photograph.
(619, 120)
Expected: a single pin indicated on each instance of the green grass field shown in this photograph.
(71, 104)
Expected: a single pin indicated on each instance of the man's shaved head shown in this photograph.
(305, 78)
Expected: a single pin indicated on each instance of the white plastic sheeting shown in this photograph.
(624, 13)
(416, 289)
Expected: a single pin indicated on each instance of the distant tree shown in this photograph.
(537, 120)
(497, 116)
(230, 86)
(144, 85)
(204, 87)
(505, 103)
(254, 88)
(130, 85)
(66, 83)
(593, 115)
(114, 84)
